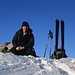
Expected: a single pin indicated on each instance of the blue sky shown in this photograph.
(41, 16)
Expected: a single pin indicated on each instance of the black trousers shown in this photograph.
(27, 51)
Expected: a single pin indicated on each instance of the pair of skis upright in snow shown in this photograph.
(61, 25)
(59, 52)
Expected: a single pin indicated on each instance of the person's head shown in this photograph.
(25, 26)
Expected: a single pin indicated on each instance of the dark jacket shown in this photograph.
(23, 40)
(26, 40)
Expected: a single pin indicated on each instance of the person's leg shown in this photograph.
(14, 51)
(30, 51)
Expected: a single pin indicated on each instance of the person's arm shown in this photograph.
(14, 40)
(31, 41)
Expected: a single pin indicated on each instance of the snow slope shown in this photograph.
(11, 64)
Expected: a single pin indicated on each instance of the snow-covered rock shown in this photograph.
(6, 47)
(11, 64)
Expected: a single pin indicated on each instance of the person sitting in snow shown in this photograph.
(23, 41)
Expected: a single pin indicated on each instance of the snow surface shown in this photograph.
(11, 64)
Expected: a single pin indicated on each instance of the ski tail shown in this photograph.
(57, 33)
(62, 34)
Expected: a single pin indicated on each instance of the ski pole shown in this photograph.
(46, 47)
(50, 48)
(51, 37)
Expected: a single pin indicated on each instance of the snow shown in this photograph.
(11, 64)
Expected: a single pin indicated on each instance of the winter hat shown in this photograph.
(25, 24)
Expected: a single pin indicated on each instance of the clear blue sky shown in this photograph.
(41, 16)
